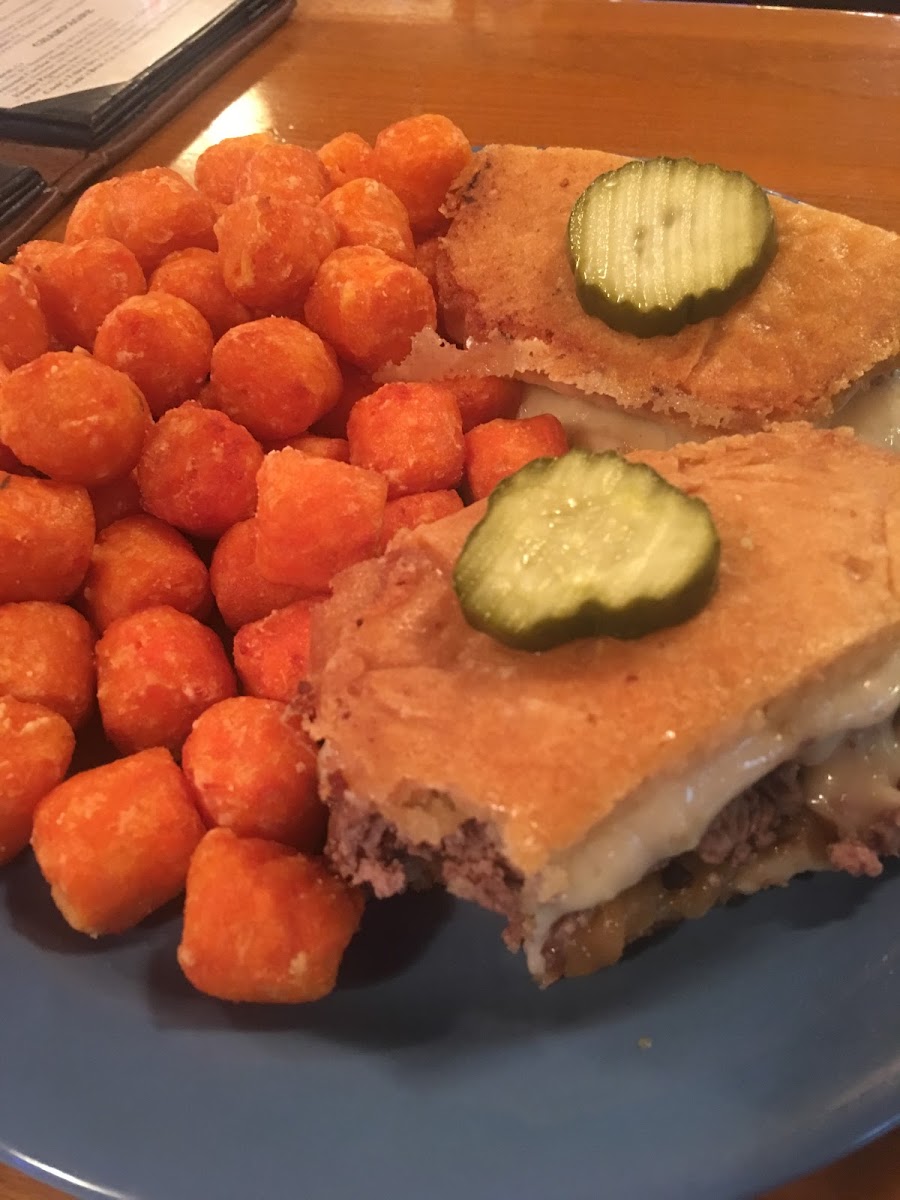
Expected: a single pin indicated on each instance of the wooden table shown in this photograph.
(808, 102)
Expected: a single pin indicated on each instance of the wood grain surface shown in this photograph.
(808, 102)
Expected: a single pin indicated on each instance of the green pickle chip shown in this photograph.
(586, 545)
(659, 244)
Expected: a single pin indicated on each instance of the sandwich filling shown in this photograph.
(871, 409)
(838, 747)
(814, 787)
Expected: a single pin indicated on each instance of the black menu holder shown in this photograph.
(52, 149)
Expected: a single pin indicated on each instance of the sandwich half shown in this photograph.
(597, 791)
(818, 339)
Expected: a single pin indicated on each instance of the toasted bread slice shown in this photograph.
(580, 770)
(824, 320)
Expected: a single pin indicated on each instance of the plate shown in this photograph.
(715, 1061)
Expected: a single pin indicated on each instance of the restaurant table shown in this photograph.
(806, 101)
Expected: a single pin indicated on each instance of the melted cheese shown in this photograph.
(858, 781)
(874, 412)
(666, 817)
(598, 423)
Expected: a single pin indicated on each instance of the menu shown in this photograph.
(82, 82)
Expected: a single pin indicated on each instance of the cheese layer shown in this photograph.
(667, 817)
(597, 423)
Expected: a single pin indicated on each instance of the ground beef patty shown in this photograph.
(769, 818)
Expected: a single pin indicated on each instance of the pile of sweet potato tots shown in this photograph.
(192, 445)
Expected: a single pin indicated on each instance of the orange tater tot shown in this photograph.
(412, 434)
(47, 657)
(36, 747)
(499, 448)
(92, 215)
(285, 172)
(254, 771)
(369, 306)
(219, 167)
(198, 470)
(153, 212)
(418, 158)
(114, 843)
(356, 384)
(347, 156)
(157, 671)
(161, 343)
(242, 594)
(113, 501)
(366, 213)
(270, 250)
(271, 656)
(196, 276)
(315, 517)
(483, 398)
(263, 923)
(141, 562)
(9, 464)
(73, 418)
(80, 284)
(420, 508)
(426, 259)
(337, 449)
(159, 212)
(46, 535)
(23, 327)
(274, 376)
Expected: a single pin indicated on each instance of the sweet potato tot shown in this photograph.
(419, 508)
(369, 306)
(198, 471)
(499, 448)
(157, 671)
(79, 285)
(285, 171)
(47, 657)
(483, 398)
(315, 517)
(153, 212)
(366, 213)
(263, 923)
(23, 327)
(46, 535)
(271, 656)
(270, 249)
(221, 165)
(418, 158)
(412, 434)
(242, 593)
(141, 562)
(114, 843)
(253, 770)
(347, 156)
(36, 747)
(196, 276)
(275, 377)
(73, 418)
(162, 343)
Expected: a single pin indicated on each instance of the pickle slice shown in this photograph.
(586, 545)
(659, 244)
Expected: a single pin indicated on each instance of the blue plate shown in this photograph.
(717, 1060)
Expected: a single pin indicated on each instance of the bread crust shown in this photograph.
(825, 315)
(433, 723)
